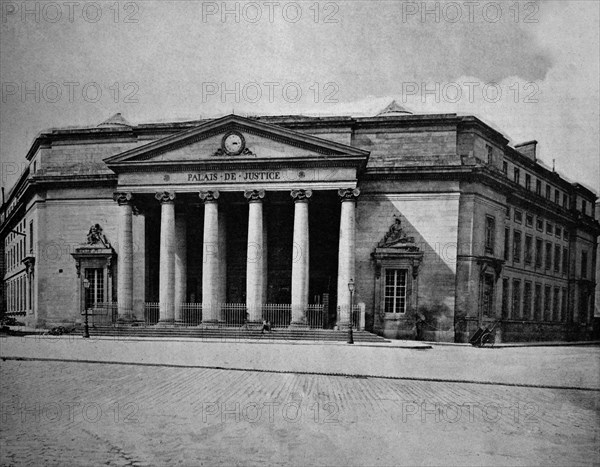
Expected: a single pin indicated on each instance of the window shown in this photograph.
(516, 299)
(508, 212)
(557, 258)
(518, 217)
(556, 196)
(539, 224)
(95, 293)
(549, 228)
(565, 261)
(516, 246)
(506, 243)
(31, 237)
(548, 191)
(527, 300)
(565, 201)
(516, 175)
(548, 256)
(505, 167)
(487, 298)
(529, 220)
(584, 302)
(528, 249)
(584, 264)
(395, 291)
(563, 305)
(34, 166)
(583, 207)
(565, 234)
(505, 291)
(538, 187)
(558, 231)
(490, 154)
(547, 303)
(555, 304)
(490, 234)
(528, 181)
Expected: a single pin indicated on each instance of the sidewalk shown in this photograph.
(555, 367)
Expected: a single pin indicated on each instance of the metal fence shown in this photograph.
(231, 315)
(103, 314)
(278, 314)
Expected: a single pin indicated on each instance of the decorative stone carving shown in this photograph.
(395, 235)
(96, 237)
(165, 196)
(209, 196)
(495, 264)
(301, 196)
(245, 152)
(122, 197)
(348, 194)
(29, 263)
(254, 196)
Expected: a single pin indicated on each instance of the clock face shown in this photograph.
(233, 143)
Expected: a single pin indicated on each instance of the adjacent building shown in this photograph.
(435, 221)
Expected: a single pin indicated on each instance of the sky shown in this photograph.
(529, 69)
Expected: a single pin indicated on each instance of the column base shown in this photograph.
(166, 323)
(298, 325)
(212, 324)
(127, 318)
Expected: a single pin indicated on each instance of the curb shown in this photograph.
(231, 341)
(347, 375)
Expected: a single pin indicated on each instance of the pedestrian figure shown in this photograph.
(266, 326)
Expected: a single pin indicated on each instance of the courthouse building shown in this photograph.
(441, 226)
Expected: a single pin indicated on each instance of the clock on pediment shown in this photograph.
(233, 143)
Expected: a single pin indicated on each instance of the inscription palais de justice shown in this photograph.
(234, 176)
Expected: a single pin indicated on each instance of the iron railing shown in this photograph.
(230, 315)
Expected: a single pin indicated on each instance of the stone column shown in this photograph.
(222, 297)
(180, 265)
(139, 264)
(125, 259)
(300, 257)
(166, 292)
(346, 252)
(256, 256)
(210, 259)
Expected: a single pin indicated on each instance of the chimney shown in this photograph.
(527, 149)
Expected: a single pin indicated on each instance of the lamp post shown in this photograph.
(86, 329)
(351, 289)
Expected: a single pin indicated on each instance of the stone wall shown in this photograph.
(65, 217)
(432, 219)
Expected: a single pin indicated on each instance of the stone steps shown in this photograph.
(235, 333)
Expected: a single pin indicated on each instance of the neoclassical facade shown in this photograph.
(430, 225)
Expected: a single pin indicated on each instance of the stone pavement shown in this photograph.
(563, 367)
(73, 414)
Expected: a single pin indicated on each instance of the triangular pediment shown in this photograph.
(252, 141)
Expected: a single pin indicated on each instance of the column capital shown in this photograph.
(165, 196)
(301, 196)
(122, 197)
(209, 196)
(254, 196)
(348, 194)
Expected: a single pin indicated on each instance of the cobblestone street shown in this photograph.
(72, 413)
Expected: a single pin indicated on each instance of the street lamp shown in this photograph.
(86, 329)
(351, 289)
